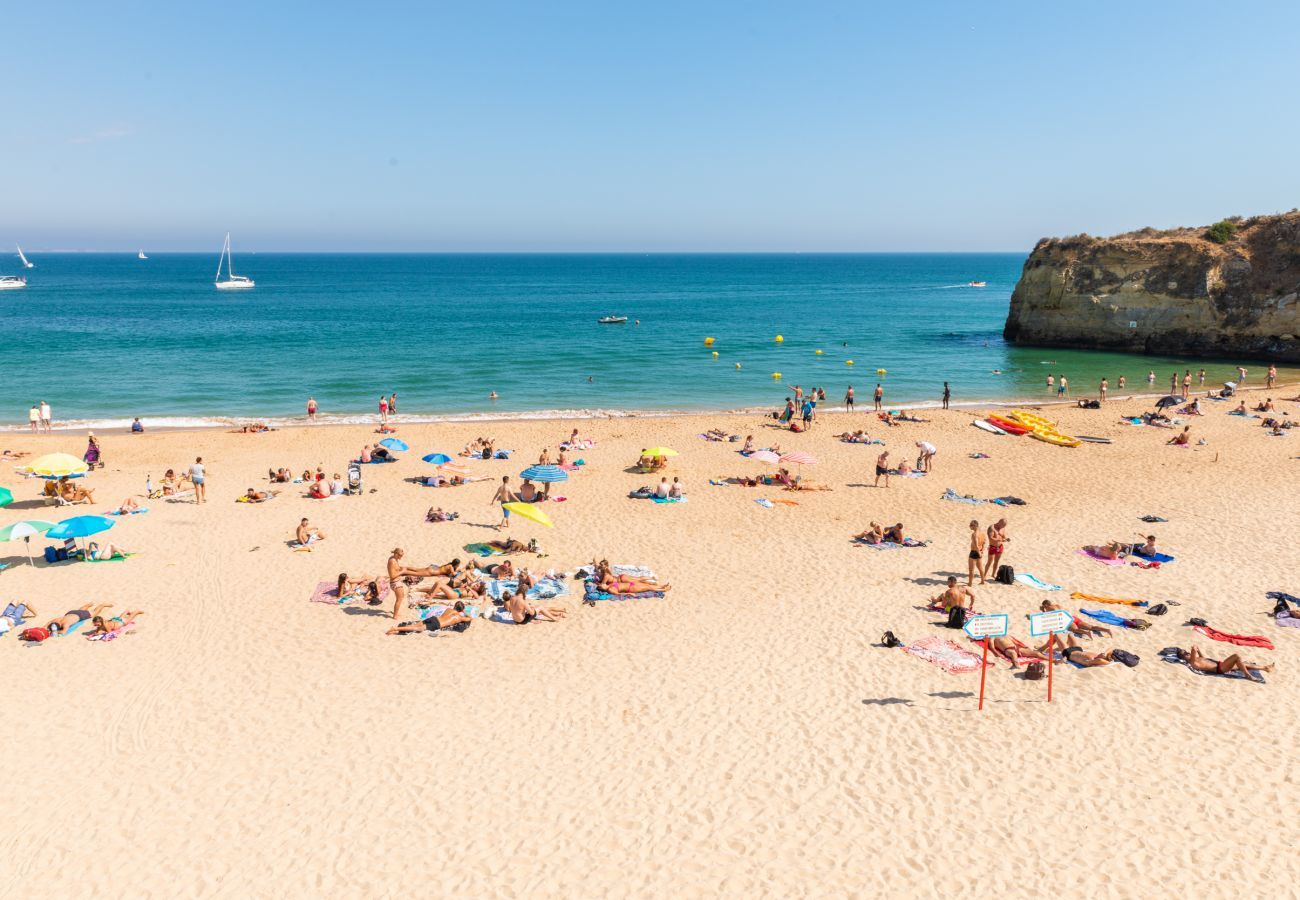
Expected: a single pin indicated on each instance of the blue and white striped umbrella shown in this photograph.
(544, 474)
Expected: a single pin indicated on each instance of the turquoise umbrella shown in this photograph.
(6, 496)
(394, 444)
(80, 526)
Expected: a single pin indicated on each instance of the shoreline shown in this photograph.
(171, 424)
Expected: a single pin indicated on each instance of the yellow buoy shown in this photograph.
(708, 342)
(715, 354)
(737, 365)
(880, 371)
(848, 362)
(780, 339)
(818, 352)
(776, 375)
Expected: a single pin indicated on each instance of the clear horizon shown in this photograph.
(579, 128)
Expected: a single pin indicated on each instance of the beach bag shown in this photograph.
(957, 617)
(1006, 575)
(1158, 610)
(35, 635)
(1034, 671)
(888, 640)
(51, 555)
(1200, 622)
(1137, 624)
(1128, 659)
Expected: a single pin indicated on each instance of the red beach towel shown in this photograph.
(1241, 640)
(945, 654)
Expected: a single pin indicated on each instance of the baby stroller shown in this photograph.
(354, 478)
(1229, 388)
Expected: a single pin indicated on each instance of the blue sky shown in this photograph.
(715, 126)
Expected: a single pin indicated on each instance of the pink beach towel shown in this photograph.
(945, 654)
(1241, 640)
(1093, 554)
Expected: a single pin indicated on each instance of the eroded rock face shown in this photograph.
(1169, 292)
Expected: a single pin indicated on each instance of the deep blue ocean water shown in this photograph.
(104, 337)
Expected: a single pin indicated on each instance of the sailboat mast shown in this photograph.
(222, 257)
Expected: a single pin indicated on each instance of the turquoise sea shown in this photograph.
(104, 337)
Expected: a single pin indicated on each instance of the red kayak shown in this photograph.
(1009, 426)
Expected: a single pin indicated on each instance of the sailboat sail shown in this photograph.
(232, 280)
(26, 264)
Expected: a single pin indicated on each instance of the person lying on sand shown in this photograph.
(1201, 663)
(73, 616)
(453, 615)
(307, 534)
(115, 623)
(438, 514)
(955, 595)
(510, 545)
(501, 571)
(1077, 625)
(800, 484)
(255, 496)
(611, 583)
(454, 588)
(1109, 550)
(13, 454)
(106, 551)
(524, 612)
(1072, 652)
(1012, 649)
(854, 437)
(128, 506)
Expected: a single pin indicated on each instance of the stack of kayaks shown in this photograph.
(1042, 429)
(1007, 424)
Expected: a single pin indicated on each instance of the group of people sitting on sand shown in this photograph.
(375, 454)
(68, 491)
(1123, 549)
(647, 463)
(479, 448)
(876, 533)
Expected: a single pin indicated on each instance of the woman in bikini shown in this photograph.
(524, 612)
(116, 623)
(1077, 625)
(624, 584)
(357, 585)
(873, 535)
(73, 616)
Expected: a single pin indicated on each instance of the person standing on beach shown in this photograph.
(947, 394)
(1051, 382)
(34, 417)
(503, 497)
(1187, 383)
(1272, 376)
(807, 412)
(311, 409)
(848, 398)
(1201, 376)
(383, 410)
(997, 535)
(925, 456)
(46, 416)
(199, 475)
(882, 468)
(1122, 380)
(974, 561)
(880, 395)
(1102, 388)
(1063, 389)
(392, 403)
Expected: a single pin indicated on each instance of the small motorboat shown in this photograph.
(612, 320)
(12, 282)
(977, 284)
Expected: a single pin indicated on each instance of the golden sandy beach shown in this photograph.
(743, 737)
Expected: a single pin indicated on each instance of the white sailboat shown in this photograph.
(141, 255)
(26, 263)
(233, 281)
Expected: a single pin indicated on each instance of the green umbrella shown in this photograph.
(6, 496)
(25, 530)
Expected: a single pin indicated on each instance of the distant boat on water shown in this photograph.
(977, 284)
(233, 281)
(12, 282)
(26, 263)
(141, 255)
(612, 320)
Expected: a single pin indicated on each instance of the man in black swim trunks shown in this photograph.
(450, 617)
(882, 468)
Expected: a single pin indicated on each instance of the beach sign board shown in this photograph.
(1051, 622)
(995, 625)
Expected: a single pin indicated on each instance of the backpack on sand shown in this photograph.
(1005, 575)
(957, 617)
(1034, 671)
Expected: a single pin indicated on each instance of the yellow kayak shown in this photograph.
(1032, 420)
(1055, 437)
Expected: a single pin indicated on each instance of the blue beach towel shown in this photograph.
(1161, 558)
(1106, 616)
(1030, 581)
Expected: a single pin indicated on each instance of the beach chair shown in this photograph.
(354, 478)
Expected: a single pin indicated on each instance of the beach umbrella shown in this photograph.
(56, 464)
(437, 459)
(529, 511)
(25, 530)
(799, 458)
(1171, 400)
(544, 474)
(659, 451)
(394, 444)
(765, 456)
(6, 496)
(80, 526)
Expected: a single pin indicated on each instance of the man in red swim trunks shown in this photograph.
(997, 533)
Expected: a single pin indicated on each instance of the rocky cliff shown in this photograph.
(1171, 292)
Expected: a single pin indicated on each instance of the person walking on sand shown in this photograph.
(311, 410)
(974, 562)
(880, 395)
(947, 394)
(383, 410)
(503, 496)
(199, 476)
(34, 418)
(46, 417)
(848, 398)
(882, 468)
(997, 535)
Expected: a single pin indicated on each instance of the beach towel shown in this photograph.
(669, 499)
(1105, 615)
(134, 512)
(592, 592)
(950, 494)
(484, 550)
(952, 658)
(327, 592)
(502, 615)
(892, 545)
(644, 573)
(1029, 580)
(1093, 554)
(3, 566)
(1285, 621)
(1281, 595)
(110, 635)
(1115, 601)
(1241, 640)
(1172, 658)
(116, 557)
(545, 589)
(766, 504)
(1162, 558)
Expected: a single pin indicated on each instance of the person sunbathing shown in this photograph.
(252, 495)
(349, 585)
(1072, 652)
(799, 484)
(443, 589)
(955, 595)
(527, 492)
(748, 448)
(170, 484)
(904, 468)
(105, 552)
(307, 534)
(501, 571)
(279, 476)
(1146, 549)
(438, 514)
(526, 580)
(73, 493)
(675, 491)
(874, 534)
(1234, 663)
(115, 623)
(612, 583)
(1241, 409)
(453, 615)
(319, 490)
(73, 616)
(1266, 406)
(510, 545)
(661, 491)
(128, 506)
(1183, 438)
(1109, 550)
(894, 533)
(13, 454)
(1013, 650)
(1077, 625)
(524, 612)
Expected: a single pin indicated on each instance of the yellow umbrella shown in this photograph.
(529, 511)
(57, 464)
(659, 451)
